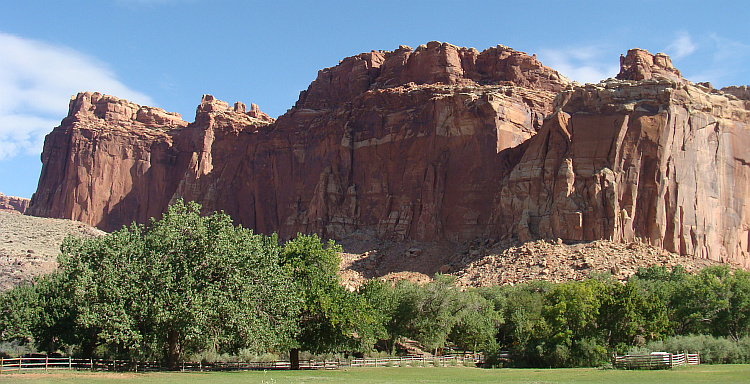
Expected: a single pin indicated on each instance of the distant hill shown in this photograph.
(29, 245)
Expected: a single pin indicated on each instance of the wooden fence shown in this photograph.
(656, 360)
(57, 363)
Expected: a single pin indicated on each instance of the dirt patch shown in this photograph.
(29, 245)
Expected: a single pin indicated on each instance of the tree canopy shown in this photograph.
(187, 284)
(180, 285)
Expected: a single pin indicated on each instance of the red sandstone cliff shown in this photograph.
(112, 162)
(438, 142)
(13, 204)
(658, 159)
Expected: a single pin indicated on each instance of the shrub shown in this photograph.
(211, 357)
(712, 350)
(588, 353)
(15, 349)
(248, 356)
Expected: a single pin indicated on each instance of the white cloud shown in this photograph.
(682, 46)
(588, 64)
(36, 82)
(723, 62)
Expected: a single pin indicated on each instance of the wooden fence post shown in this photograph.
(70, 363)
(46, 362)
(2, 361)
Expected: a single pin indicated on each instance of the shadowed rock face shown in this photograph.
(434, 143)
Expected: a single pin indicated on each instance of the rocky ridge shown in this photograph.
(13, 204)
(432, 144)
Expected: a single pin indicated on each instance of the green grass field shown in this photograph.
(683, 375)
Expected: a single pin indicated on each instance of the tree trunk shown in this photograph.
(173, 351)
(87, 349)
(294, 359)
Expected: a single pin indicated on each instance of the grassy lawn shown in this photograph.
(694, 374)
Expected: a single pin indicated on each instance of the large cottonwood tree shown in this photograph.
(183, 284)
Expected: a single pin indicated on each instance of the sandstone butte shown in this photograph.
(13, 204)
(437, 143)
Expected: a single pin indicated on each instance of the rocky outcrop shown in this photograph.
(657, 160)
(741, 92)
(436, 111)
(13, 204)
(433, 143)
(639, 64)
(434, 63)
(112, 162)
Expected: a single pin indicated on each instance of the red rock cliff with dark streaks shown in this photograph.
(433, 143)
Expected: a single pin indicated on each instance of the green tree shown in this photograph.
(186, 283)
(523, 331)
(715, 301)
(735, 320)
(383, 298)
(432, 314)
(476, 322)
(627, 317)
(698, 301)
(332, 318)
(19, 313)
(570, 315)
(571, 310)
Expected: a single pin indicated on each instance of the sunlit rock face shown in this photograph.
(13, 204)
(433, 143)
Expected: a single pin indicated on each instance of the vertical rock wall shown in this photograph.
(432, 143)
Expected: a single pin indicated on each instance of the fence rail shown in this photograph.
(54, 363)
(657, 360)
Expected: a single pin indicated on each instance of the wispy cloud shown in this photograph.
(587, 64)
(36, 81)
(723, 60)
(682, 46)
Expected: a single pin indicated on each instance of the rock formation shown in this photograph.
(432, 143)
(658, 160)
(13, 204)
(112, 162)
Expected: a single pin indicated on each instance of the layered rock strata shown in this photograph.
(659, 160)
(432, 143)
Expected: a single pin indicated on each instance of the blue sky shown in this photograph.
(168, 53)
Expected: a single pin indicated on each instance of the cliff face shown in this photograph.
(434, 143)
(13, 204)
(658, 159)
(112, 162)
